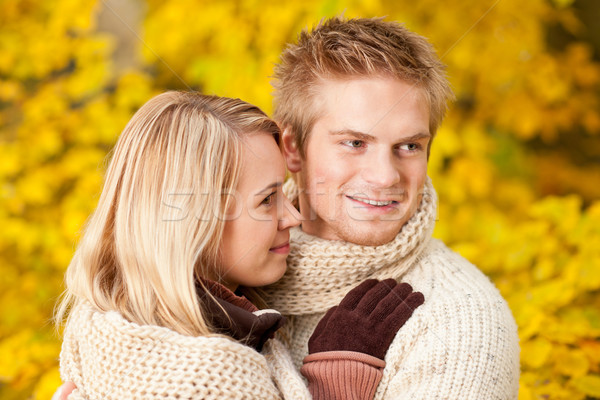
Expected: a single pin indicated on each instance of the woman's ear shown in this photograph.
(291, 153)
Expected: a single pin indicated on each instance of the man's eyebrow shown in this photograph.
(418, 136)
(367, 137)
(271, 186)
(356, 134)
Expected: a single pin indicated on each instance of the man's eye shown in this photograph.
(354, 143)
(411, 147)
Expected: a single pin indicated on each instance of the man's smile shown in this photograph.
(376, 203)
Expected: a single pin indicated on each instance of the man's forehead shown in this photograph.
(331, 95)
(339, 84)
(360, 104)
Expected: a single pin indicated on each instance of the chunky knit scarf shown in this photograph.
(108, 357)
(315, 281)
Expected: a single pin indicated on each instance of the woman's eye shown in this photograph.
(269, 199)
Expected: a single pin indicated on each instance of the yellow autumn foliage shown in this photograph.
(515, 163)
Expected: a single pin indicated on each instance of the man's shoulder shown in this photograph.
(438, 252)
(462, 341)
(454, 286)
(444, 269)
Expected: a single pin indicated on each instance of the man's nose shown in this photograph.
(381, 170)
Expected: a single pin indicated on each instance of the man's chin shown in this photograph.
(364, 233)
(369, 237)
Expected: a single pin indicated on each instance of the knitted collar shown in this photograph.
(237, 317)
(320, 272)
(220, 291)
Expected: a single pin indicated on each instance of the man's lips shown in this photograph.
(281, 249)
(373, 202)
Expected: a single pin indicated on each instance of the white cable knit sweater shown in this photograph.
(108, 357)
(461, 343)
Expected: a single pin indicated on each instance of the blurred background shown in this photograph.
(516, 162)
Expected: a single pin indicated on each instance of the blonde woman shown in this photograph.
(192, 216)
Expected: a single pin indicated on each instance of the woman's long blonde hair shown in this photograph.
(158, 223)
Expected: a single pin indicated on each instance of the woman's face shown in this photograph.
(255, 242)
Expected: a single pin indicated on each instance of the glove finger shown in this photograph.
(229, 319)
(351, 300)
(268, 320)
(319, 329)
(266, 327)
(370, 300)
(404, 311)
(390, 302)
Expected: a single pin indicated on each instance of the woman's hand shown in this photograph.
(367, 319)
(64, 391)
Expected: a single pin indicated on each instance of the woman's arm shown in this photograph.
(347, 348)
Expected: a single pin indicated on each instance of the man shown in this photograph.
(359, 102)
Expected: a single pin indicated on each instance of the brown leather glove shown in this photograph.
(367, 319)
(251, 328)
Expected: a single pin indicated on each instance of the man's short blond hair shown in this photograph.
(340, 48)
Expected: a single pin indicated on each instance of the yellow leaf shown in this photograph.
(570, 362)
(589, 384)
(48, 384)
(563, 3)
(534, 353)
(525, 393)
(592, 349)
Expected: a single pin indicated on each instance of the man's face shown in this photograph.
(366, 160)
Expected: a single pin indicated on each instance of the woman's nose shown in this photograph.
(290, 217)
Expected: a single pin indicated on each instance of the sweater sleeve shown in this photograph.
(107, 357)
(343, 375)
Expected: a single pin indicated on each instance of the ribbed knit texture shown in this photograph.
(342, 375)
(108, 357)
(461, 343)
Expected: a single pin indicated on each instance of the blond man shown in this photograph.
(359, 102)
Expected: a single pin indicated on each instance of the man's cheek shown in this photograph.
(324, 200)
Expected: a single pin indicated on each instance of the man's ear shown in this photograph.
(291, 153)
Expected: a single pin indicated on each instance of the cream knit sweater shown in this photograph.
(461, 343)
(108, 357)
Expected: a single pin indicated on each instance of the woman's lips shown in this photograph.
(281, 249)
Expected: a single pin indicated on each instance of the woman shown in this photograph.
(192, 215)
